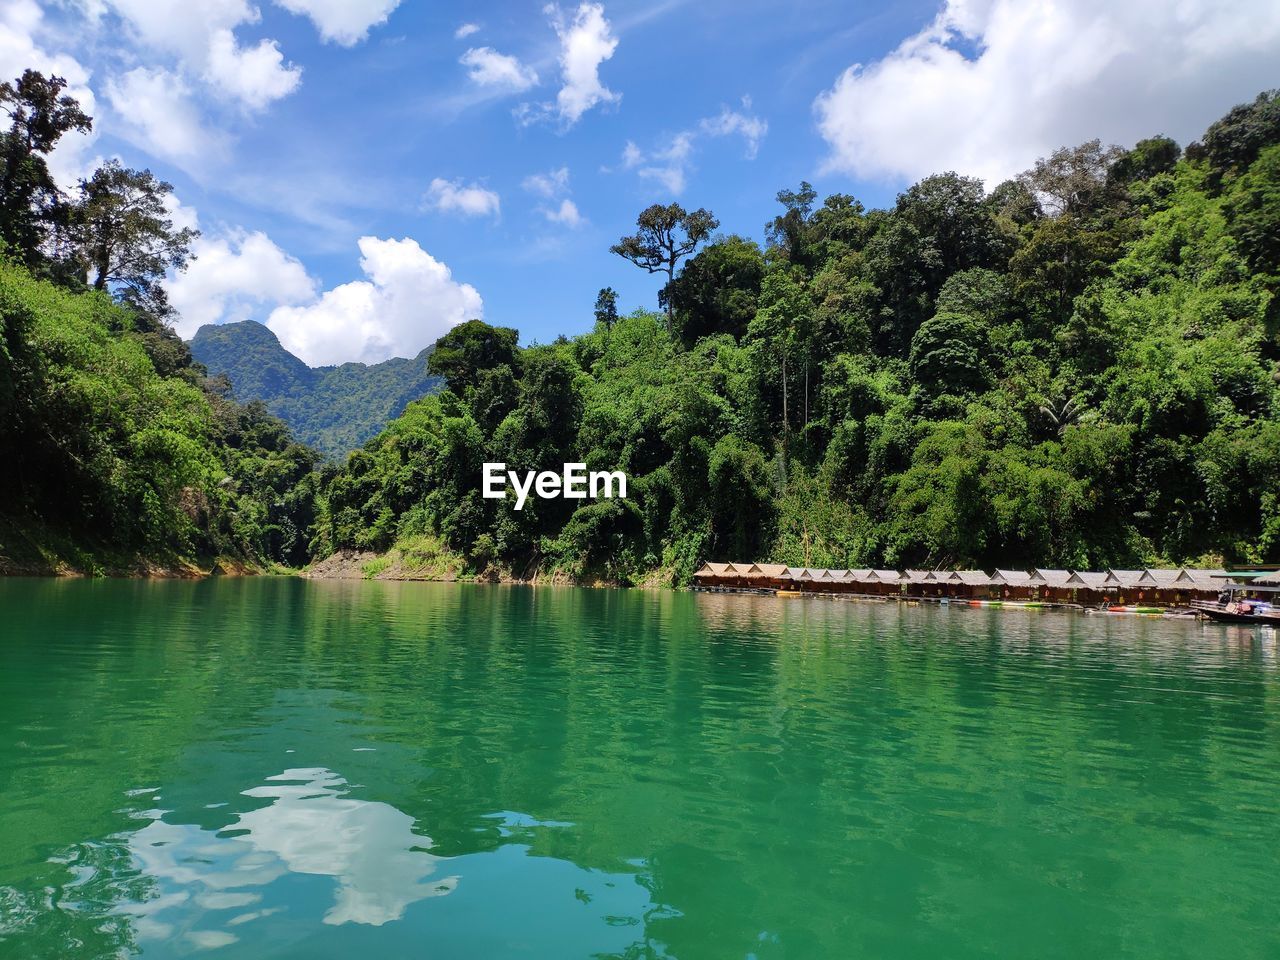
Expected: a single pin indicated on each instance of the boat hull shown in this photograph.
(1224, 616)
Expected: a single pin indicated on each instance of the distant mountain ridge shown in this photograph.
(334, 409)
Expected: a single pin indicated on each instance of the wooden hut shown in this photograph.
(770, 574)
(971, 584)
(1206, 584)
(845, 582)
(800, 578)
(859, 582)
(717, 575)
(1178, 587)
(1125, 584)
(830, 581)
(919, 583)
(1012, 585)
(1090, 588)
(886, 583)
(1158, 586)
(1051, 586)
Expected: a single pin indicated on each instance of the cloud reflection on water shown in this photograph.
(310, 827)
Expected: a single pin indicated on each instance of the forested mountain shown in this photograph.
(334, 409)
(1078, 368)
(119, 452)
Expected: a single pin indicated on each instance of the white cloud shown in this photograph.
(667, 166)
(466, 30)
(344, 22)
(553, 185)
(488, 68)
(469, 200)
(201, 36)
(550, 184)
(409, 300)
(751, 128)
(183, 217)
(586, 41)
(159, 116)
(20, 22)
(1045, 75)
(256, 76)
(567, 213)
(233, 277)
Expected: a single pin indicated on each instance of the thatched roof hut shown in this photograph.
(1013, 578)
(1050, 578)
(1123, 579)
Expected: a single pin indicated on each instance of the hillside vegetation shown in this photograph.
(119, 453)
(111, 466)
(333, 409)
(1078, 368)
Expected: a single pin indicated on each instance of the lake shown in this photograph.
(263, 768)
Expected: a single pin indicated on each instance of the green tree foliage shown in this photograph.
(1078, 369)
(110, 462)
(606, 309)
(1231, 144)
(951, 354)
(124, 236)
(468, 350)
(717, 291)
(31, 207)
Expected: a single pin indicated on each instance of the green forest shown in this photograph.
(1079, 367)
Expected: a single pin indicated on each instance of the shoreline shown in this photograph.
(354, 565)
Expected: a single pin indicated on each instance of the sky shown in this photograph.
(367, 173)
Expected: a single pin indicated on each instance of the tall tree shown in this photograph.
(788, 230)
(607, 307)
(31, 205)
(666, 236)
(124, 234)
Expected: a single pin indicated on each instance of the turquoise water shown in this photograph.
(275, 768)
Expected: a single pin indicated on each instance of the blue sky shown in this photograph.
(367, 172)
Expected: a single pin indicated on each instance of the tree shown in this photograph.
(1232, 143)
(783, 327)
(1076, 180)
(1147, 158)
(788, 230)
(955, 225)
(716, 291)
(739, 497)
(470, 348)
(666, 236)
(1254, 204)
(31, 205)
(607, 307)
(949, 355)
(124, 235)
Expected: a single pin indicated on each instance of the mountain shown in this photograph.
(334, 409)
